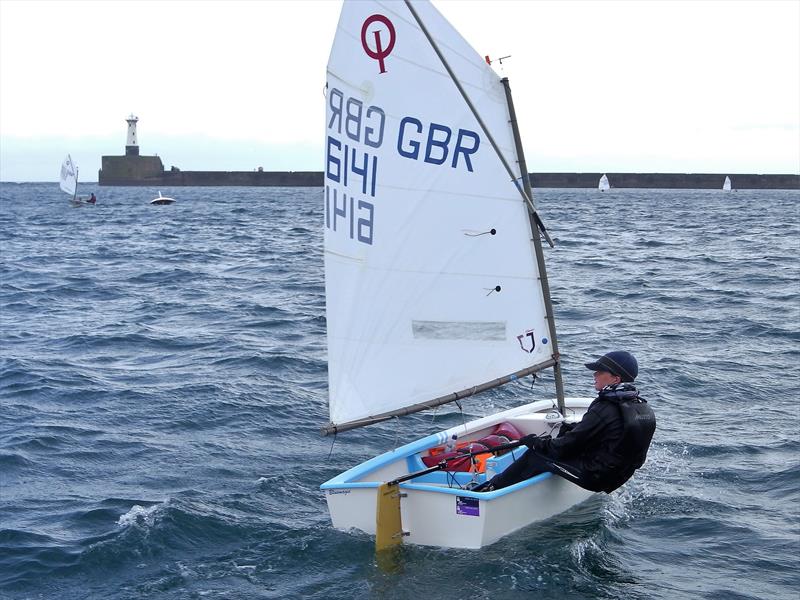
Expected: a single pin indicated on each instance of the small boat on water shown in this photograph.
(435, 281)
(162, 199)
(603, 184)
(439, 508)
(68, 182)
(726, 186)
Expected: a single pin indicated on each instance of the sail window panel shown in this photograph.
(490, 331)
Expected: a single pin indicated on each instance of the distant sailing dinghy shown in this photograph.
(435, 281)
(726, 187)
(68, 181)
(162, 199)
(603, 185)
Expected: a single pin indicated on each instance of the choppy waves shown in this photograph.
(163, 378)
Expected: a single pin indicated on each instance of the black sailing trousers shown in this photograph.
(531, 463)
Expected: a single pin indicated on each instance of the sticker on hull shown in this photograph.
(468, 506)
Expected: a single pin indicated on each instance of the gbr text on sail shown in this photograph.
(355, 146)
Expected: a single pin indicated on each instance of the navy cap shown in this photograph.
(619, 363)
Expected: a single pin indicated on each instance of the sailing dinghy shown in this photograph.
(726, 186)
(603, 184)
(435, 280)
(68, 181)
(162, 199)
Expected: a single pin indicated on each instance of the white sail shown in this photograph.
(430, 273)
(603, 184)
(69, 176)
(727, 185)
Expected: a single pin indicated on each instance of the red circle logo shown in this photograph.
(379, 53)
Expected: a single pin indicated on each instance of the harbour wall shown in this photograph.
(697, 181)
(149, 171)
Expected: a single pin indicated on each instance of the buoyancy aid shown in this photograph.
(639, 425)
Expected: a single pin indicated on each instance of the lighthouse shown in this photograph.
(130, 169)
(132, 145)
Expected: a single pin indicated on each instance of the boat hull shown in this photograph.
(435, 509)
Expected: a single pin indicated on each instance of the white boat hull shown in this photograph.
(161, 200)
(435, 509)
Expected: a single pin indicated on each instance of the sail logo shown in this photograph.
(523, 340)
(379, 53)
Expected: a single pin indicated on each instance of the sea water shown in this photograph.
(163, 380)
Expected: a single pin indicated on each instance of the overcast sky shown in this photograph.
(598, 86)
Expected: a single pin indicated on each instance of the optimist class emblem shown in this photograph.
(379, 53)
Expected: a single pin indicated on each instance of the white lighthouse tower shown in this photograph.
(132, 145)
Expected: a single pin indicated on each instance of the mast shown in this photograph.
(537, 243)
(75, 195)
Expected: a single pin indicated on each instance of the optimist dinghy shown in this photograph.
(436, 286)
(603, 184)
(68, 182)
(726, 185)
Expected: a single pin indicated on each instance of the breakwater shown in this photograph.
(135, 170)
(149, 171)
(687, 181)
(220, 178)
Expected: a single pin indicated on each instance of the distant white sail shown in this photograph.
(69, 176)
(430, 273)
(727, 185)
(603, 185)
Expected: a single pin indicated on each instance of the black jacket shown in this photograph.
(592, 445)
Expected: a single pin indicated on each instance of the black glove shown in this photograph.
(531, 441)
(565, 428)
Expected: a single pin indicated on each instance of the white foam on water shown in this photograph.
(580, 548)
(139, 516)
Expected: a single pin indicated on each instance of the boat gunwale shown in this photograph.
(345, 480)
